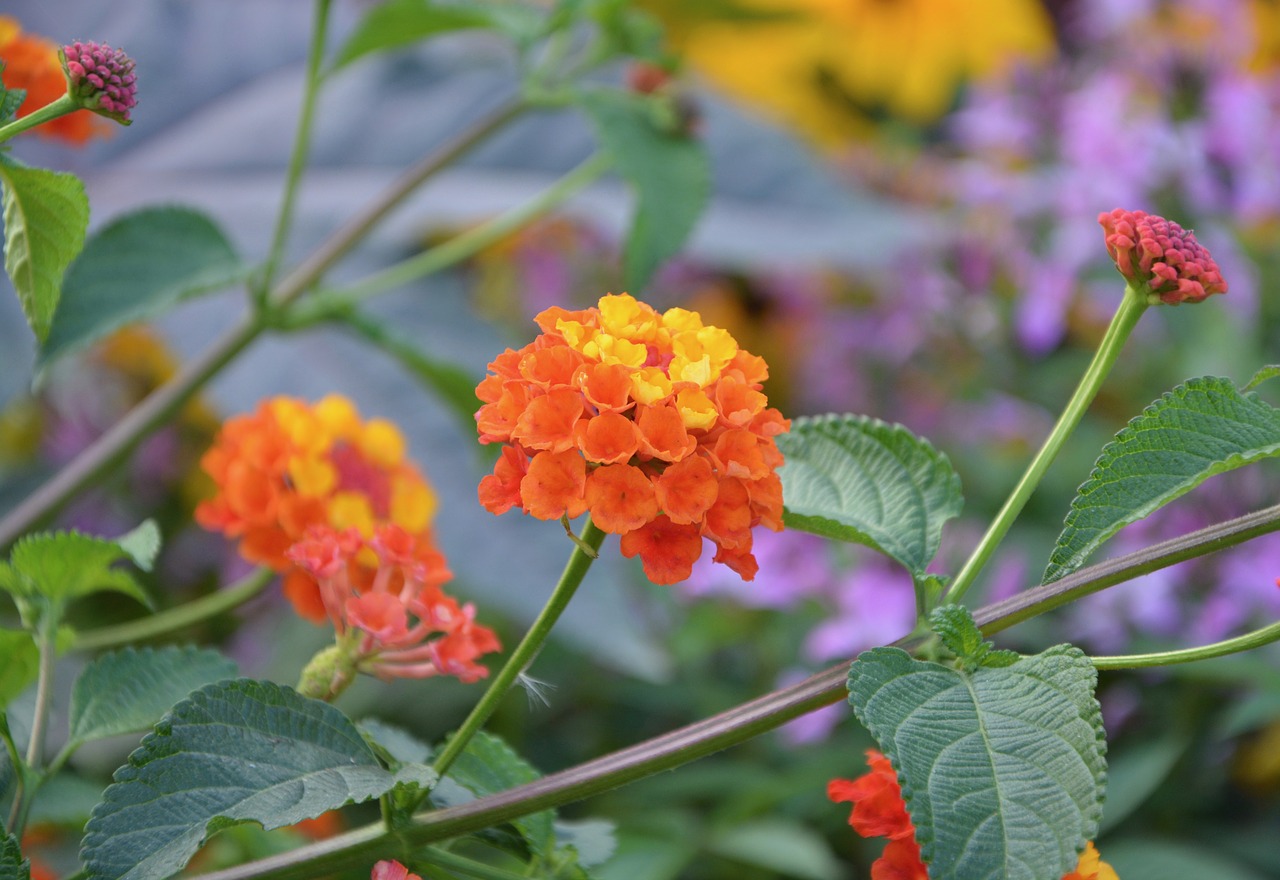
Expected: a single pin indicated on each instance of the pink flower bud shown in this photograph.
(100, 79)
(1150, 250)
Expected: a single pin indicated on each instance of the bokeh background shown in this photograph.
(903, 223)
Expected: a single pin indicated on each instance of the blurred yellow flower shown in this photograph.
(830, 67)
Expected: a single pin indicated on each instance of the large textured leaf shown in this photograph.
(12, 865)
(232, 752)
(1201, 428)
(129, 690)
(1001, 768)
(21, 663)
(858, 479)
(62, 566)
(667, 169)
(398, 23)
(134, 268)
(46, 214)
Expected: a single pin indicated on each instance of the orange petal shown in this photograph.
(500, 490)
(740, 455)
(729, 519)
(738, 403)
(250, 493)
(766, 501)
(550, 367)
(662, 433)
(554, 485)
(266, 546)
(608, 438)
(687, 489)
(497, 420)
(667, 550)
(547, 422)
(620, 498)
(740, 559)
(606, 386)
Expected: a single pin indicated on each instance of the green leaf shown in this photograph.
(783, 848)
(136, 267)
(958, 631)
(1201, 428)
(399, 23)
(593, 841)
(62, 566)
(667, 169)
(487, 766)
(12, 865)
(21, 663)
(1265, 374)
(10, 101)
(46, 214)
(858, 479)
(396, 747)
(1002, 769)
(1135, 773)
(1152, 859)
(129, 690)
(235, 751)
(142, 544)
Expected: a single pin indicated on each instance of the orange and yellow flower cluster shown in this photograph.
(654, 423)
(403, 625)
(879, 811)
(31, 63)
(290, 465)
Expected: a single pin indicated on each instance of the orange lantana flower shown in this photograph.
(653, 422)
(879, 811)
(291, 465)
(31, 63)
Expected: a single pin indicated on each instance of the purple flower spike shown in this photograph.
(100, 79)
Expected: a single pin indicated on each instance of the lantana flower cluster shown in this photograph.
(879, 811)
(31, 63)
(402, 624)
(289, 466)
(101, 79)
(654, 423)
(1148, 249)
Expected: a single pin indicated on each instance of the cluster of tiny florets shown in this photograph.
(101, 79)
(1151, 250)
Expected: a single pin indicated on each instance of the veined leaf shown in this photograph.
(10, 101)
(398, 23)
(46, 214)
(858, 479)
(128, 690)
(21, 663)
(1001, 768)
(12, 865)
(62, 566)
(668, 170)
(134, 268)
(1201, 428)
(232, 752)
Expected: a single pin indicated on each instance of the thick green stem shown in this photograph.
(1132, 305)
(574, 571)
(61, 107)
(1246, 642)
(301, 148)
(176, 618)
(19, 774)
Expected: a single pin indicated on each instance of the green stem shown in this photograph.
(462, 865)
(574, 571)
(301, 149)
(1246, 642)
(31, 769)
(61, 107)
(176, 618)
(465, 244)
(19, 774)
(1132, 305)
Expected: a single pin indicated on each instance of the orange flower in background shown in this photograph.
(31, 63)
(291, 465)
(654, 423)
(879, 811)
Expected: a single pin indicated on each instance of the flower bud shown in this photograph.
(1159, 254)
(100, 79)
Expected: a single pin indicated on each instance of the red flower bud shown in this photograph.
(1158, 253)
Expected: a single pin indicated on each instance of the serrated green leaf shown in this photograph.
(1265, 374)
(232, 752)
(667, 169)
(136, 267)
(142, 544)
(10, 101)
(62, 566)
(129, 690)
(954, 624)
(859, 479)
(399, 23)
(1002, 770)
(12, 865)
(1201, 428)
(394, 745)
(46, 214)
(487, 766)
(19, 663)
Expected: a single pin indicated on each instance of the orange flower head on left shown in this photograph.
(31, 63)
(879, 811)
(291, 465)
(655, 423)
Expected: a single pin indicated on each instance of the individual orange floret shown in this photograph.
(655, 423)
(290, 465)
(31, 63)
